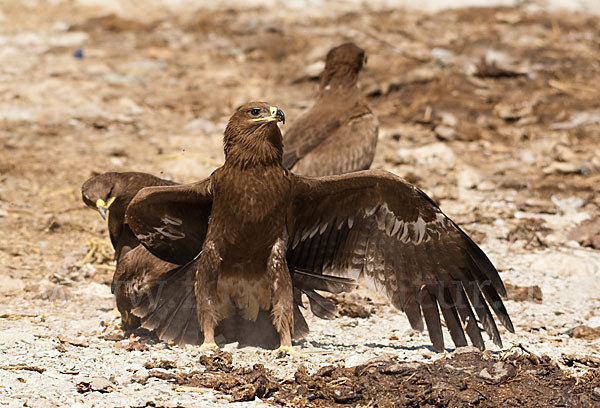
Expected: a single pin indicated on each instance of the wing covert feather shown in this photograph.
(171, 221)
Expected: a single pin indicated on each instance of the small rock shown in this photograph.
(527, 156)
(132, 344)
(486, 185)
(448, 119)
(585, 332)
(578, 119)
(563, 153)
(342, 394)
(99, 384)
(498, 64)
(524, 293)
(468, 179)
(467, 349)
(498, 371)
(399, 368)
(594, 321)
(355, 360)
(442, 54)
(563, 168)
(140, 376)
(8, 284)
(597, 391)
(445, 132)
(587, 233)
(421, 74)
(79, 341)
(163, 374)
(568, 204)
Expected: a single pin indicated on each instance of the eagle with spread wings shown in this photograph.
(248, 227)
(159, 295)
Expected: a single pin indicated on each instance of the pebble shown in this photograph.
(8, 284)
(140, 376)
(101, 384)
(498, 372)
(468, 179)
(445, 132)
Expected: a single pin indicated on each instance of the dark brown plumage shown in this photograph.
(248, 225)
(338, 134)
(110, 193)
(159, 295)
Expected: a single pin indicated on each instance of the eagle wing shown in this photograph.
(320, 146)
(374, 226)
(171, 221)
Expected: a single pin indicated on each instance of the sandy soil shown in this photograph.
(494, 112)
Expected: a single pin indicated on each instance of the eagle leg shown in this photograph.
(207, 273)
(282, 301)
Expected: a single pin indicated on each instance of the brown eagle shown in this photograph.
(248, 227)
(159, 296)
(137, 269)
(338, 134)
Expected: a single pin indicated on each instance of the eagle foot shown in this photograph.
(208, 347)
(283, 351)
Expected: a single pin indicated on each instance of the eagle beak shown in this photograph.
(276, 114)
(103, 206)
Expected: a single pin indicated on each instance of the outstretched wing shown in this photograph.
(321, 143)
(171, 221)
(372, 225)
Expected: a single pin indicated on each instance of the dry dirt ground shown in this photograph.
(494, 112)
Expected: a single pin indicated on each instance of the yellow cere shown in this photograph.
(100, 203)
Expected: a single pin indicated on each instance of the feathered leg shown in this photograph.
(282, 300)
(207, 274)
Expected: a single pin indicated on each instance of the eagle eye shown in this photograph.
(255, 111)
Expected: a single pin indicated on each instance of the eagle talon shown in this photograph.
(209, 347)
(283, 351)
